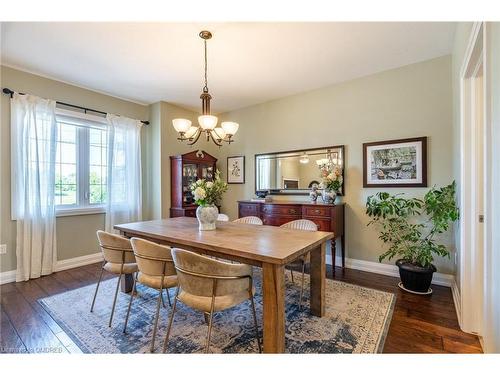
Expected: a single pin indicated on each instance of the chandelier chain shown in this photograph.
(206, 81)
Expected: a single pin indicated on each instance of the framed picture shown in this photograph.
(236, 170)
(395, 163)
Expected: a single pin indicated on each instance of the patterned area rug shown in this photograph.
(356, 321)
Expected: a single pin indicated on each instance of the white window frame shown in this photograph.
(84, 207)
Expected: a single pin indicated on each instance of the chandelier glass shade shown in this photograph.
(207, 123)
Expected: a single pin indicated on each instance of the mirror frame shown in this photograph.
(299, 191)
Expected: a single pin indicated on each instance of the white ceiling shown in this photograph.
(249, 63)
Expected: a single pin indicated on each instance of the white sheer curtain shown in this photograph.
(124, 178)
(33, 137)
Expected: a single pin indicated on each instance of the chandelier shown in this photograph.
(207, 122)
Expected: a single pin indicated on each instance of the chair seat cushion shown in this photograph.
(115, 267)
(221, 302)
(155, 281)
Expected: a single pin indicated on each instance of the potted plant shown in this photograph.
(411, 228)
(331, 181)
(207, 195)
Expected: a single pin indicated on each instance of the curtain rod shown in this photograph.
(10, 92)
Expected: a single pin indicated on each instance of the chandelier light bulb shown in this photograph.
(230, 127)
(191, 132)
(219, 133)
(181, 125)
(207, 122)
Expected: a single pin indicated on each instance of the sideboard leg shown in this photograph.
(334, 250)
(342, 243)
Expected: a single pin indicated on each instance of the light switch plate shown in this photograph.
(3, 249)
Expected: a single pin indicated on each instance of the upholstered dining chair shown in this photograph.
(249, 220)
(118, 259)
(301, 224)
(222, 217)
(210, 285)
(156, 270)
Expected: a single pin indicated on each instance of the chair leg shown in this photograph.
(211, 316)
(165, 343)
(130, 305)
(302, 284)
(168, 296)
(96, 289)
(291, 273)
(160, 300)
(114, 300)
(210, 321)
(255, 322)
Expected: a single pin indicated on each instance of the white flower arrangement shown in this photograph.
(208, 193)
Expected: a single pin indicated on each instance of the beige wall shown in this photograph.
(75, 234)
(411, 101)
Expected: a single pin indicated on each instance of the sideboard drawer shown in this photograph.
(322, 224)
(277, 220)
(281, 210)
(190, 212)
(248, 209)
(308, 210)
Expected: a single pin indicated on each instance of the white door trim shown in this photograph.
(471, 259)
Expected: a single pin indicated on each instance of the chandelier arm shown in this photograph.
(196, 137)
(214, 140)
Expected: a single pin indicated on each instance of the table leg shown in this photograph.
(273, 289)
(318, 269)
(127, 283)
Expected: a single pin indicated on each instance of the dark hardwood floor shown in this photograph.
(420, 324)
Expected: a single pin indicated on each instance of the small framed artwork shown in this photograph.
(236, 170)
(395, 163)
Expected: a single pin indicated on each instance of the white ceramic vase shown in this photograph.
(207, 217)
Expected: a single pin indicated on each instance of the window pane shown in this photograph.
(95, 155)
(68, 194)
(68, 152)
(96, 195)
(97, 167)
(66, 167)
(67, 133)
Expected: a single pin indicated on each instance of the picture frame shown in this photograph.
(236, 169)
(395, 163)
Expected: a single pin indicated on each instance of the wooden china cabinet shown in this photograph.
(184, 170)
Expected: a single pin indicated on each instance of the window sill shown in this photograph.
(61, 212)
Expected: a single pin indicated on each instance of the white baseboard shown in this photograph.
(442, 279)
(457, 301)
(61, 265)
(67, 264)
(7, 277)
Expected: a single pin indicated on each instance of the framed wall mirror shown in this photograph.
(295, 172)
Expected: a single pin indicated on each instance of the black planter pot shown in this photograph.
(415, 278)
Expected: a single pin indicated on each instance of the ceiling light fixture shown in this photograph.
(207, 123)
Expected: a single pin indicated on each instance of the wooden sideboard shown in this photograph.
(328, 217)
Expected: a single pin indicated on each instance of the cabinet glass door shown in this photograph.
(207, 172)
(189, 175)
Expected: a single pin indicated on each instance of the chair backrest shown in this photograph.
(301, 224)
(196, 275)
(222, 217)
(115, 248)
(249, 220)
(153, 259)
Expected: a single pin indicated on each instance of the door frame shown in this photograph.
(472, 267)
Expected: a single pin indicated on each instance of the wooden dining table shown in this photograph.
(268, 247)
